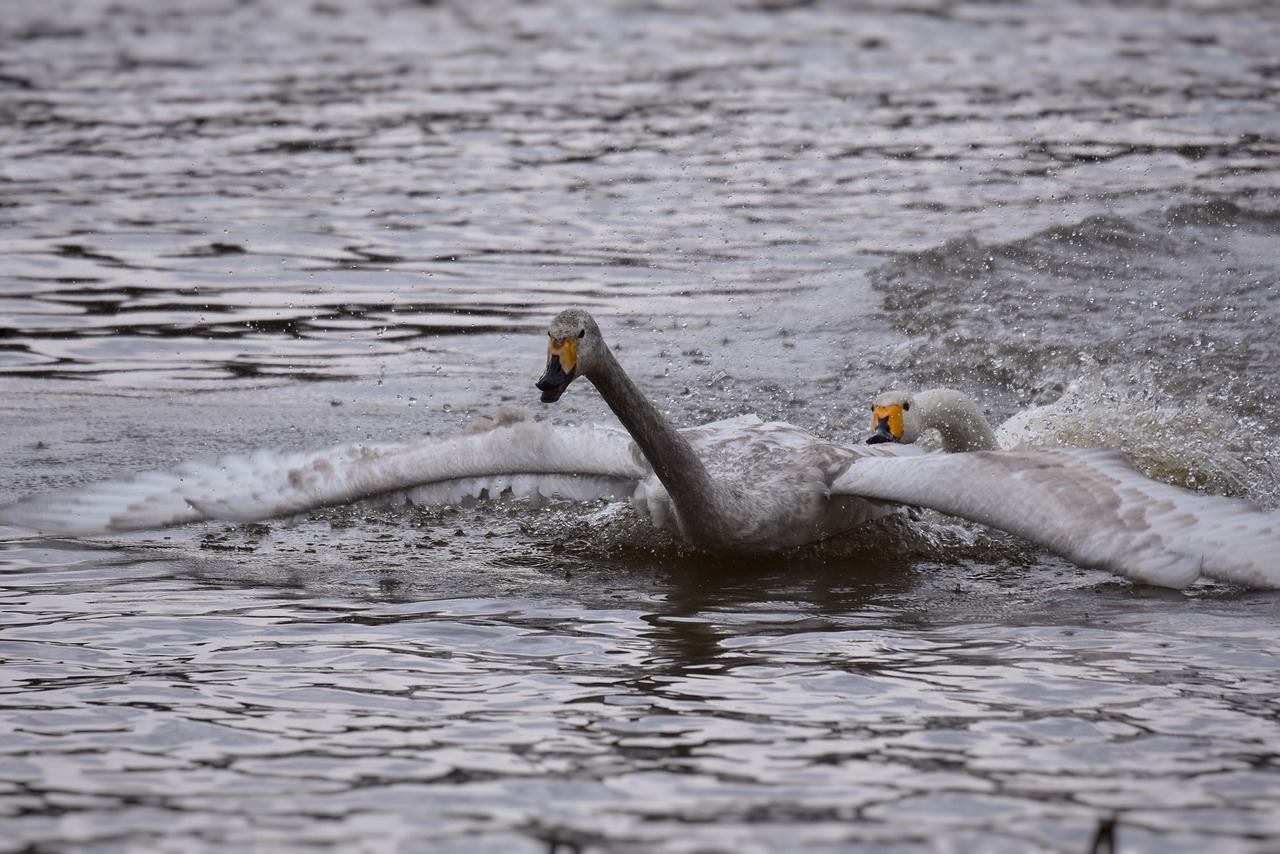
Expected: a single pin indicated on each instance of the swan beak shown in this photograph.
(562, 364)
(886, 424)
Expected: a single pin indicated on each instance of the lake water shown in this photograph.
(232, 225)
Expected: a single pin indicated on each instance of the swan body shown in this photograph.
(772, 488)
(738, 485)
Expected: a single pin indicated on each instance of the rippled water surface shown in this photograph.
(232, 225)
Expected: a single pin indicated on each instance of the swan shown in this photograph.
(740, 485)
(1187, 443)
(1088, 505)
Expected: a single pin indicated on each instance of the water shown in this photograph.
(229, 225)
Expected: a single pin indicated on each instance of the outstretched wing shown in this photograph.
(1089, 506)
(526, 457)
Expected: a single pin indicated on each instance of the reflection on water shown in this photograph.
(233, 225)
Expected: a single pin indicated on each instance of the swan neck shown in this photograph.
(957, 418)
(692, 489)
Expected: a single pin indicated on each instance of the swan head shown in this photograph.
(889, 421)
(897, 416)
(572, 352)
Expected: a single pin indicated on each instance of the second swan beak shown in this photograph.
(886, 424)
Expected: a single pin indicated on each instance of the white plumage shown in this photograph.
(1091, 507)
(515, 453)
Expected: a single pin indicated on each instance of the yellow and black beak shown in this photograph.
(886, 424)
(562, 363)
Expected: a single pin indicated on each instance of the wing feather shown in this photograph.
(1089, 506)
(529, 457)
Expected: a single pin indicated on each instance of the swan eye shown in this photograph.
(582, 333)
(905, 406)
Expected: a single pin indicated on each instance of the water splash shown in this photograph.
(1194, 443)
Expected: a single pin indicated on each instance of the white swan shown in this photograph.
(739, 485)
(1088, 505)
(900, 416)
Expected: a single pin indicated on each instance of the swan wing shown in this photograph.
(527, 457)
(1089, 506)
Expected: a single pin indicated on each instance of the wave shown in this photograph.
(1183, 295)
